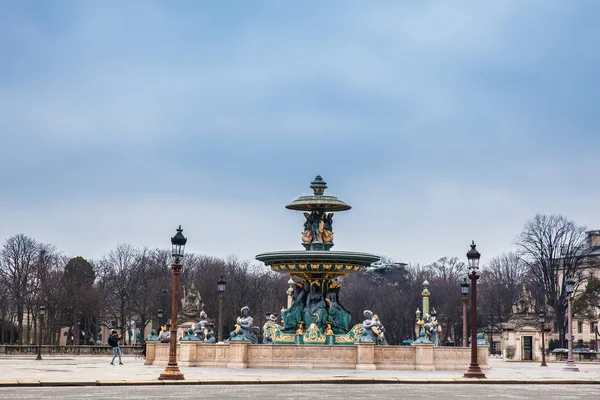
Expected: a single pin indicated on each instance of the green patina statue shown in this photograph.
(429, 324)
(373, 331)
(422, 339)
(293, 315)
(339, 317)
(190, 336)
(210, 336)
(243, 328)
(315, 311)
(481, 340)
(152, 336)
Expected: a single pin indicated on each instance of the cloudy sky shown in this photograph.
(438, 121)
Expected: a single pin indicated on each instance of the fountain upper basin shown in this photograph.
(317, 264)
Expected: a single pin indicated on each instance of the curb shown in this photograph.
(310, 381)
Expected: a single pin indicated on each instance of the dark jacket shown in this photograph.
(113, 341)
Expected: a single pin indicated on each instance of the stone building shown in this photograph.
(585, 330)
(521, 334)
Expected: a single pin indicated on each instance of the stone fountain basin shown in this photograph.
(327, 264)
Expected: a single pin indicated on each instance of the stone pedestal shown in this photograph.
(150, 352)
(361, 356)
(365, 356)
(188, 353)
(238, 355)
(423, 356)
(482, 357)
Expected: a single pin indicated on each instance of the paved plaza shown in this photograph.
(63, 377)
(96, 370)
(310, 391)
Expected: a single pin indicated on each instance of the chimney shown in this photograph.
(593, 238)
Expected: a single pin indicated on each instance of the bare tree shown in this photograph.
(390, 290)
(6, 308)
(252, 285)
(53, 294)
(118, 274)
(444, 277)
(501, 281)
(553, 248)
(149, 275)
(447, 269)
(20, 255)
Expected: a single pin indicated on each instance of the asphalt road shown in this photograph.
(322, 391)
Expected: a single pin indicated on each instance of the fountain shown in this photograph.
(316, 315)
(315, 330)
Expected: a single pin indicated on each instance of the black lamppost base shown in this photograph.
(474, 371)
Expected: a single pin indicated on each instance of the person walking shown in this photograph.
(113, 341)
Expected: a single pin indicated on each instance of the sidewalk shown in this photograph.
(96, 371)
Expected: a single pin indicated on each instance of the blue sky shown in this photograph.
(439, 122)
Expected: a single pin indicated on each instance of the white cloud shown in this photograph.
(389, 102)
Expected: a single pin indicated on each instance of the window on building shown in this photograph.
(579, 327)
(593, 327)
(591, 276)
(580, 276)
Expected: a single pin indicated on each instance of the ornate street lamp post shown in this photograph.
(178, 244)
(221, 288)
(464, 289)
(160, 314)
(569, 286)
(542, 321)
(492, 346)
(473, 256)
(41, 326)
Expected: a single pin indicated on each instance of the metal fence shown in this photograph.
(67, 350)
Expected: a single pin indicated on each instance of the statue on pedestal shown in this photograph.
(315, 311)
(481, 340)
(190, 336)
(152, 336)
(326, 228)
(202, 325)
(422, 339)
(210, 335)
(191, 305)
(318, 227)
(526, 304)
(373, 331)
(293, 315)
(268, 327)
(243, 327)
(339, 317)
(432, 328)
